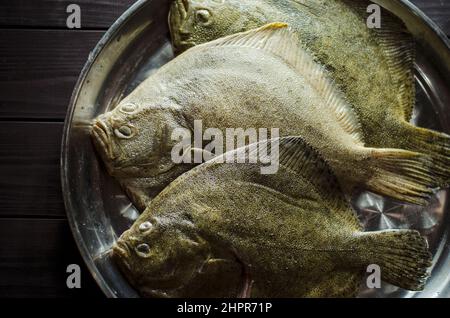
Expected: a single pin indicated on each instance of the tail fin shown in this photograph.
(434, 144)
(402, 175)
(402, 255)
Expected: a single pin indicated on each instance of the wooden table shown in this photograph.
(40, 60)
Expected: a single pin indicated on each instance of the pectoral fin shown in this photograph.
(215, 264)
(217, 278)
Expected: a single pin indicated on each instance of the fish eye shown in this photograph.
(124, 132)
(144, 227)
(128, 108)
(143, 250)
(203, 17)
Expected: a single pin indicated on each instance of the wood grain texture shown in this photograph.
(52, 13)
(34, 255)
(101, 14)
(39, 69)
(29, 170)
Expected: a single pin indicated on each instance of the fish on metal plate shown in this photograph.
(258, 79)
(373, 67)
(226, 230)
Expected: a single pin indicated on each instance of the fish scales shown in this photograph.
(288, 234)
(373, 67)
(237, 82)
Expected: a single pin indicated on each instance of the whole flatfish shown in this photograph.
(373, 67)
(226, 230)
(258, 79)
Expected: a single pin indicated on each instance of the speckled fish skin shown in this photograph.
(257, 79)
(139, 157)
(373, 67)
(291, 234)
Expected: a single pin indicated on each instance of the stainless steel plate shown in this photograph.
(136, 45)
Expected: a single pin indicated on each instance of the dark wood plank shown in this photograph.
(437, 10)
(101, 14)
(34, 255)
(52, 13)
(39, 69)
(29, 169)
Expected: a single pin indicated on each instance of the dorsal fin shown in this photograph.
(296, 155)
(277, 39)
(399, 49)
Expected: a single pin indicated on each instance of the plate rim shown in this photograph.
(93, 59)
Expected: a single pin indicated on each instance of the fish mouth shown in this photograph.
(186, 44)
(181, 46)
(120, 252)
(181, 38)
(102, 139)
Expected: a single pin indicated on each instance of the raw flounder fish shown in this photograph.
(226, 230)
(259, 79)
(373, 67)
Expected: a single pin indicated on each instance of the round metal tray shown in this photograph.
(137, 44)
